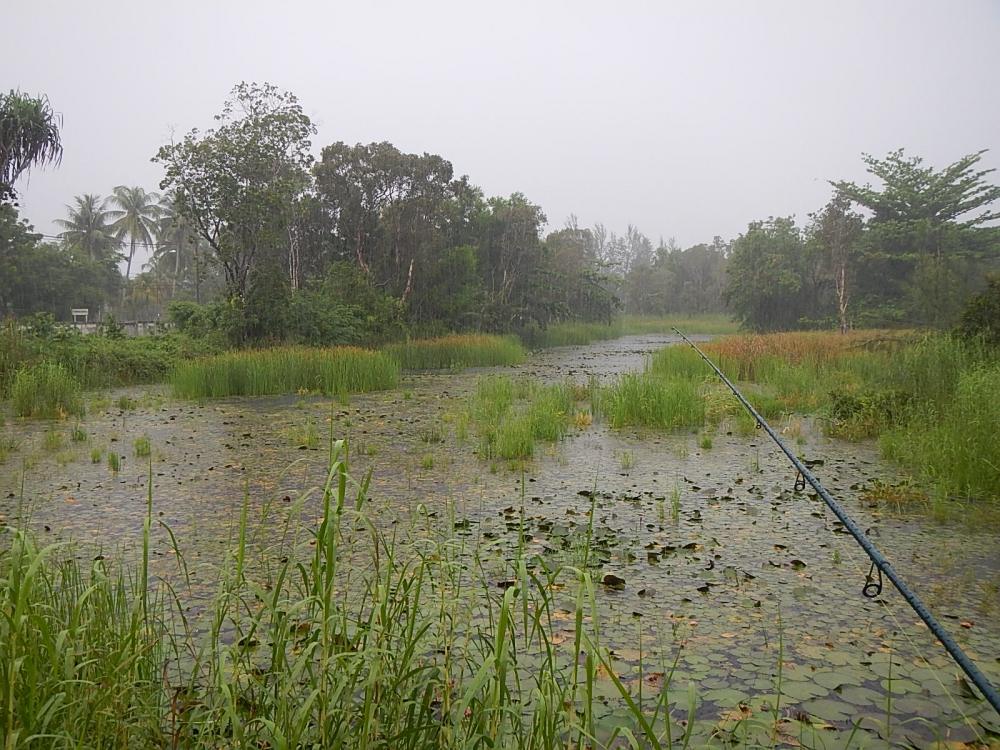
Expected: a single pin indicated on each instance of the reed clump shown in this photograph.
(456, 351)
(46, 390)
(512, 414)
(262, 372)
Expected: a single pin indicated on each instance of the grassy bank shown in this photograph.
(261, 372)
(93, 361)
(456, 351)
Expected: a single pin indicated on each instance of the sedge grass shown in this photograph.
(512, 414)
(46, 390)
(456, 351)
(333, 371)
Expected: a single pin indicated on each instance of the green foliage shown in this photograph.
(981, 316)
(46, 390)
(770, 286)
(285, 370)
(953, 445)
(29, 136)
(237, 183)
(647, 400)
(511, 414)
(142, 446)
(456, 351)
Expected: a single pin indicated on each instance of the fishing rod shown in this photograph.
(880, 565)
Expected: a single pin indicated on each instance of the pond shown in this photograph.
(715, 566)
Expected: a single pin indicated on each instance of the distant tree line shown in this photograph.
(254, 237)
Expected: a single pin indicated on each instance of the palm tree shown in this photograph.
(88, 229)
(29, 134)
(134, 217)
(173, 236)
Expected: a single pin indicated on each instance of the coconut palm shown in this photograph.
(134, 217)
(174, 235)
(88, 228)
(29, 135)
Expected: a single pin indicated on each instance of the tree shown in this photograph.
(135, 217)
(29, 136)
(771, 285)
(837, 230)
(88, 229)
(43, 277)
(927, 234)
(238, 183)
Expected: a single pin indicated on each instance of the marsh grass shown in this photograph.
(646, 400)
(46, 390)
(8, 445)
(303, 435)
(78, 434)
(142, 447)
(456, 351)
(53, 440)
(334, 371)
(512, 414)
(114, 461)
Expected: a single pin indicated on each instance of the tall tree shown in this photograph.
(88, 229)
(238, 183)
(772, 285)
(29, 135)
(928, 232)
(134, 217)
(837, 230)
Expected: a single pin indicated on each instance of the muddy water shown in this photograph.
(734, 581)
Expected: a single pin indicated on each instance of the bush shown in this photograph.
(981, 316)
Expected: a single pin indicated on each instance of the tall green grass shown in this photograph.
(337, 370)
(46, 390)
(647, 400)
(954, 443)
(456, 351)
(512, 414)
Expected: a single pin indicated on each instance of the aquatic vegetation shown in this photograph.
(96, 454)
(260, 372)
(308, 666)
(78, 434)
(511, 414)
(46, 390)
(142, 447)
(53, 440)
(114, 461)
(8, 445)
(456, 351)
(304, 434)
(646, 400)
(954, 447)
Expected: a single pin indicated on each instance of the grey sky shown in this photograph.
(685, 119)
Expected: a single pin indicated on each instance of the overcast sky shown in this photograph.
(686, 119)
